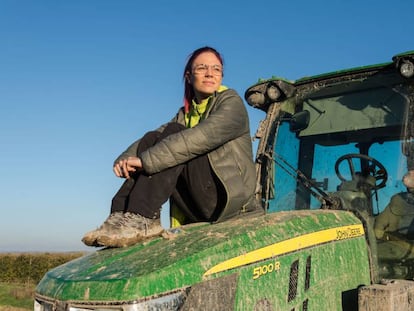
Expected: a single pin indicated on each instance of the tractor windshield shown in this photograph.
(353, 145)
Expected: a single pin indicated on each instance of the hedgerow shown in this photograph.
(30, 267)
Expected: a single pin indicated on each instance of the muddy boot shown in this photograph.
(109, 224)
(133, 228)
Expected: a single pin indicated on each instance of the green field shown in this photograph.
(14, 295)
(19, 274)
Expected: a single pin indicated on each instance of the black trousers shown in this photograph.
(191, 185)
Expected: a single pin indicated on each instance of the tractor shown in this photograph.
(332, 157)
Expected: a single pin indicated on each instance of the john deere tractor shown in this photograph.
(334, 156)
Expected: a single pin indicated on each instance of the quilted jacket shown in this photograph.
(224, 135)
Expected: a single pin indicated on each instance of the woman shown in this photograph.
(201, 160)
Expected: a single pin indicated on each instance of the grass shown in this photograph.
(19, 274)
(15, 296)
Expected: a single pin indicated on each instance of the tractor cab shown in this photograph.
(343, 141)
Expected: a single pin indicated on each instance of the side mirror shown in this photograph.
(299, 121)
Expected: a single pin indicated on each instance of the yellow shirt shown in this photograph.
(196, 113)
(192, 118)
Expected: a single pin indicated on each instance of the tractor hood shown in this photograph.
(191, 254)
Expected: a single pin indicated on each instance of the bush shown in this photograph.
(30, 268)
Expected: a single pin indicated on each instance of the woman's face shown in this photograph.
(206, 75)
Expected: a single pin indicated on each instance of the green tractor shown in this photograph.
(333, 150)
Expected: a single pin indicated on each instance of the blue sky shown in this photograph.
(80, 80)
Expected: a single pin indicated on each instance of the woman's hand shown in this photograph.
(124, 167)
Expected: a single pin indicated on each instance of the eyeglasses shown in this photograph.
(216, 70)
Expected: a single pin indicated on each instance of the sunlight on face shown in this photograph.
(206, 75)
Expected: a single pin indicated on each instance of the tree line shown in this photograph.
(30, 268)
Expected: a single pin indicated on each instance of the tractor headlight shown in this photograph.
(256, 99)
(169, 302)
(406, 68)
(273, 92)
(42, 306)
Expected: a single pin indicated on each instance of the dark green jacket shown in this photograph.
(224, 135)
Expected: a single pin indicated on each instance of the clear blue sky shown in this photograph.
(82, 79)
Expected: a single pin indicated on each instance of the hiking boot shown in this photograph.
(109, 224)
(132, 229)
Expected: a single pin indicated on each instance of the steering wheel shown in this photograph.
(374, 169)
